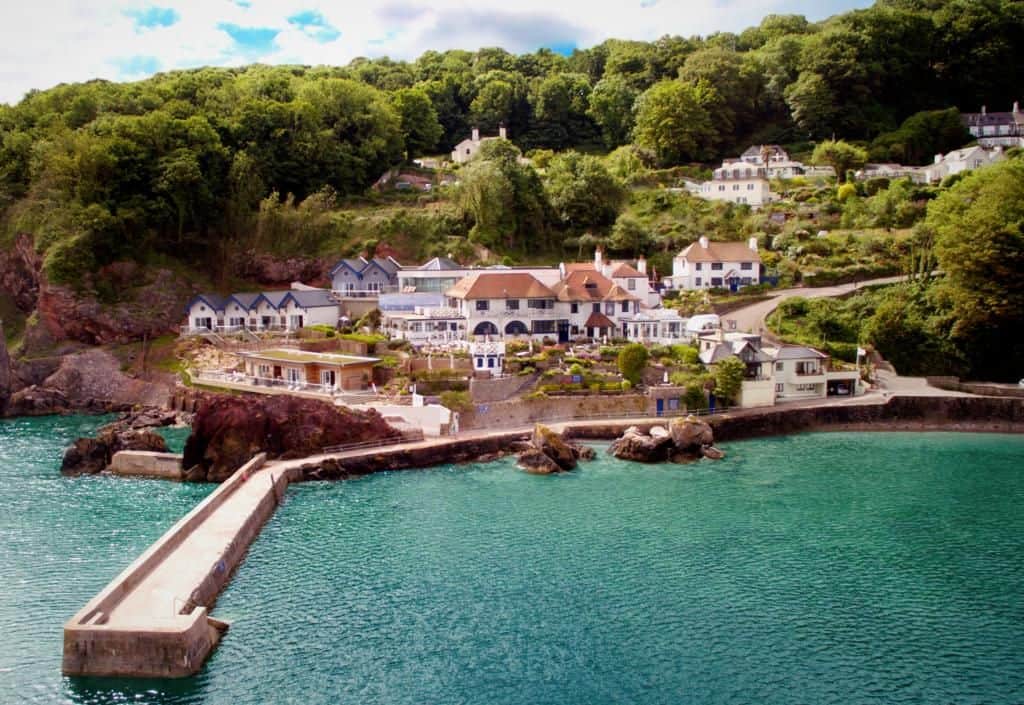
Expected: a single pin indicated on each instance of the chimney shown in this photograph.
(476, 134)
(938, 159)
(502, 132)
(561, 270)
(1016, 107)
(606, 268)
(703, 241)
(641, 264)
(984, 110)
(598, 257)
(752, 244)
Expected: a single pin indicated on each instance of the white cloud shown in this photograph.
(46, 42)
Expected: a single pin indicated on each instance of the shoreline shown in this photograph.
(908, 414)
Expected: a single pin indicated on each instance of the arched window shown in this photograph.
(516, 328)
(485, 328)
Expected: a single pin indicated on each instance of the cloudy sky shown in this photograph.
(46, 42)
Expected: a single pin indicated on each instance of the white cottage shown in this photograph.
(706, 264)
(467, 149)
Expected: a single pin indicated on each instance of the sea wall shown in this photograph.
(174, 646)
(974, 414)
(143, 463)
(521, 412)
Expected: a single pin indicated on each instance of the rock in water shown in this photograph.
(640, 447)
(690, 434)
(713, 453)
(553, 446)
(229, 430)
(88, 456)
(537, 463)
(547, 452)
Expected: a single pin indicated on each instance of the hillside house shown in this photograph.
(997, 129)
(961, 160)
(706, 264)
(465, 150)
(592, 304)
(500, 304)
(361, 277)
(739, 182)
(774, 159)
(265, 311)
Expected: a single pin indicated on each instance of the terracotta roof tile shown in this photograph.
(626, 270)
(599, 320)
(720, 252)
(503, 285)
(585, 284)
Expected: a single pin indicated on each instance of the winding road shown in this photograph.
(752, 318)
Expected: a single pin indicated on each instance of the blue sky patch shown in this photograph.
(313, 25)
(137, 65)
(564, 48)
(251, 40)
(150, 17)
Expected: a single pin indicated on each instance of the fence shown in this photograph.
(362, 445)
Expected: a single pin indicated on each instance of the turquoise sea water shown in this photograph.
(822, 568)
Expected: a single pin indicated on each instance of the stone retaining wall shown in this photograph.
(992, 390)
(521, 412)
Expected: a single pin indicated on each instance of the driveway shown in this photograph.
(751, 318)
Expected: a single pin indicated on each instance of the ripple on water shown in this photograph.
(833, 568)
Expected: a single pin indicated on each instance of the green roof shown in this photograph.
(301, 356)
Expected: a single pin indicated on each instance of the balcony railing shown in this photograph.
(810, 373)
(363, 293)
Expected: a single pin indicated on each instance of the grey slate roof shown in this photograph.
(214, 301)
(312, 298)
(798, 352)
(387, 264)
(275, 298)
(439, 264)
(246, 300)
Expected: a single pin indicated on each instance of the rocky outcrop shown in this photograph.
(20, 271)
(149, 305)
(690, 433)
(685, 439)
(88, 456)
(228, 430)
(274, 271)
(547, 452)
(641, 447)
(90, 381)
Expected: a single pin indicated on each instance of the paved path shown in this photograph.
(752, 318)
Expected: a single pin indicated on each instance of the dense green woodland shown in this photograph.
(191, 167)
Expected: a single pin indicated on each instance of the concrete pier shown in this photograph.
(152, 620)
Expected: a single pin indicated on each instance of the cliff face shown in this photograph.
(6, 381)
(229, 430)
(149, 303)
(19, 273)
(272, 271)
